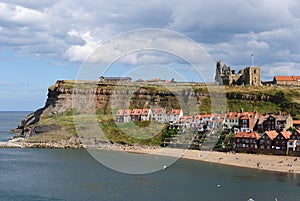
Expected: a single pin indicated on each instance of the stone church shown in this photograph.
(249, 76)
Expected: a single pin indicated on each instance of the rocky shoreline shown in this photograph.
(74, 143)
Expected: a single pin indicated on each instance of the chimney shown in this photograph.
(241, 110)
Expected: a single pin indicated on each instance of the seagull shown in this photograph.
(164, 167)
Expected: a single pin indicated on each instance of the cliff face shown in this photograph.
(67, 97)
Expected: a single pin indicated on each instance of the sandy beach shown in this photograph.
(263, 162)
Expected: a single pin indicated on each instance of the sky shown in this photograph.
(44, 41)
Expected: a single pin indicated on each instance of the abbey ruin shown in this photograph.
(249, 76)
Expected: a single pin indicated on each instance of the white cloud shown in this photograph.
(230, 31)
(254, 44)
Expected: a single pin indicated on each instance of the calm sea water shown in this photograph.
(52, 174)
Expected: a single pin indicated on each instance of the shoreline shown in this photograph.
(285, 164)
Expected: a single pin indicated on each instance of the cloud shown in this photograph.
(231, 31)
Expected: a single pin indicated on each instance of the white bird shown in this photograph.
(164, 167)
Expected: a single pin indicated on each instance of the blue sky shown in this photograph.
(43, 41)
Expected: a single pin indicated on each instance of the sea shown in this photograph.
(73, 174)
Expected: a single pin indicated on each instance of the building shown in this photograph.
(247, 120)
(280, 141)
(127, 115)
(287, 80)
(146, 115)
(249, 76)
(274, 122)
(159, 115)
(114, 79)
(291, 145)
(120, 116)
(246, 140)
(175, 114)
(266, 140)
(196, 121)
(231, 120)
(296, 123)
(136, 114)
(295, 135)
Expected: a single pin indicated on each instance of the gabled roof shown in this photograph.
(120, 112)
(176, 111)
(251, 134)
(185, 118)
(278, 117)
(286, 134)
(232, 115)
(127, 112)
(136, 112)
(159, 111)
(145, 111)
(271, 134)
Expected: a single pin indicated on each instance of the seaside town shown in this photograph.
(241, 131)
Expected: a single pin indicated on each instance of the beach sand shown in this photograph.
(263, 162)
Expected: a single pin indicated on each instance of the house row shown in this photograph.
(238, 121)
(269, 140)
(160, 115)
(241, 121)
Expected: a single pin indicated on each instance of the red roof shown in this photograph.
(207, 115)
(145, 111)
(296, 122)
(127, 112)
(286, 134)
(120, 112)
(136, 112)
(159, 111)
(232, 115)
(286, 78)
(272, 134)
(251, 134)
(185, 118)
(176, 111)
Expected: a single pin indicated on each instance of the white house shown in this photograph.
(120, 116)
(291, 144)
(175, 115)
(146, 115)
(127, 117)
(159, 115)
(231, 119)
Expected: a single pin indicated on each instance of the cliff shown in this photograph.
(67, 100)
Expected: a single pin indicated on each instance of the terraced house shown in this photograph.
(246, 140)
(274, 122)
